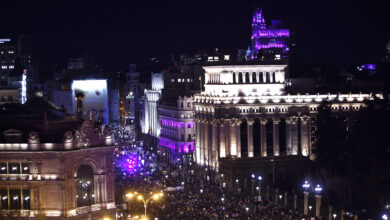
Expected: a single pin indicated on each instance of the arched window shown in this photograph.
(85, 186)
(254, 78)
(234, 78)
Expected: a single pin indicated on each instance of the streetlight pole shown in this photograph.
(317, 191)
(305, 186)
(145, 200)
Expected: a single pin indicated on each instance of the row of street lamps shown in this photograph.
(144, 199)
(317, 192)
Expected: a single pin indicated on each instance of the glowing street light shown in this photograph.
(145, 200)
(334, 216)
(385, 217)
(305, 186)
(318, 189)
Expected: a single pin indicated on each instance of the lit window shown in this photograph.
(11, 51)
(11, 67)
(3, 67)
(178, 80)
(172, 80)
(188, 80)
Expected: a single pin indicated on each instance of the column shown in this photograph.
(206, 142)
(305, 202)
(295, 201)
(233, 138)
(197, 143)
(288, 136)
(214, 145)
(222, 145)
(258, 77)
(318, 205)
(276, 122)
(202, 142)
(210, 143)
(305, 135)
(294, 135)
(265, 77)
(250, 137)
(238, 137)
(263, 124)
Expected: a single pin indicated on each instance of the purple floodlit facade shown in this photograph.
(177, 130)
(268, 40)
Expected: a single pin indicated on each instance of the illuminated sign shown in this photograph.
(95, 99)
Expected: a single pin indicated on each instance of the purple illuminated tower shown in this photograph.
(268, 43)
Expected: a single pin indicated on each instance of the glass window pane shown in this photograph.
(25, 168)
(14, 168)
(4, 198)
(3, 168)
(26, 199)
(15, 199)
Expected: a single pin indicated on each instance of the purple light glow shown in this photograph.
(129, 163)
(369, 66)
(176, 124)
(185, 147)
(267, 38)
(271, 33)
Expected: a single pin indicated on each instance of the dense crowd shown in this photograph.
(191, 195)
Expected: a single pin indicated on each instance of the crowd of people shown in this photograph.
(187, 193)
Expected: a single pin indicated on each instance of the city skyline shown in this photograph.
(331, 32)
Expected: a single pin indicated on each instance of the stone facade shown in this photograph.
(43, 180)
(245, 114)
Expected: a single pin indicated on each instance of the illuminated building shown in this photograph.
(247, 123)
(245, 113)
(149, 118)
(131, 104)
(54, 168)
(8, 56)
(269, 43)
(177, 130)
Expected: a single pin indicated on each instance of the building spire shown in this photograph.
(258, 19)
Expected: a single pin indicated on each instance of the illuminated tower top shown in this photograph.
(268, 43)
(258, 20)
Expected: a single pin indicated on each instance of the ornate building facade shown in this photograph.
(70, 179)
(178, 130)
(246, 121)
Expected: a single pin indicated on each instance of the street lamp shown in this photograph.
(145, 200)
(385, 217)
(317, 191)
(305, 186)
(334, 216)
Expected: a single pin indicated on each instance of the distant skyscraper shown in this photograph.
(270, 43)
(7, 61)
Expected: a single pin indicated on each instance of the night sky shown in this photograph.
(119, 32)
